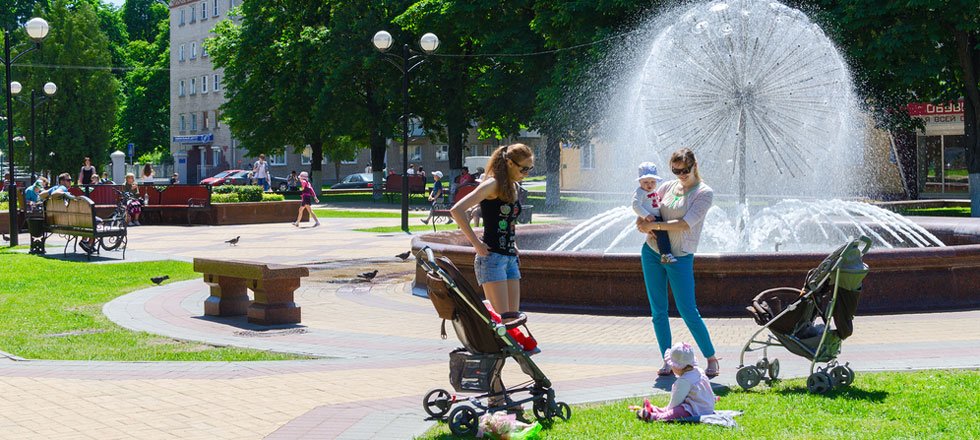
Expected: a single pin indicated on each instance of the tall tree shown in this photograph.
(566, 107)
(469, 79)
(923, 50)
(142, 18)
(144, 116)
(83, 112)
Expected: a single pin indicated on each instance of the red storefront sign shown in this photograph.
(923, 109)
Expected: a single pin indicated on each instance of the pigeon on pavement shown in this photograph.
(5, 237)
(368, 275)
(158, 280)
(404, 255)
(233, 241)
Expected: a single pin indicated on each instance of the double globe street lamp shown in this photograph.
(37, 98)
(405, 62)
(36, 29)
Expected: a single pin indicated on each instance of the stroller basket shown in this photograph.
(469, 372)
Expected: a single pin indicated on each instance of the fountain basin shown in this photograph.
(900, 281)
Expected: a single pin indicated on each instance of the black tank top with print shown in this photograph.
(499, 219)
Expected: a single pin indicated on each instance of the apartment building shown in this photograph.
(200, 144)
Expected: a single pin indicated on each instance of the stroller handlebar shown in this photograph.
(428, 260)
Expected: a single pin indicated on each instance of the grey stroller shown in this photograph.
(831, 292)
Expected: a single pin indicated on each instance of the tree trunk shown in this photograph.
(552, 158)
(969, 57)
(316, 166)
(377, 142)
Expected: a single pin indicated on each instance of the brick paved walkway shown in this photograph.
(379, 350)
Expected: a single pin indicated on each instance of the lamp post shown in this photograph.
(37, 98)
(36, 29)
(405, 62)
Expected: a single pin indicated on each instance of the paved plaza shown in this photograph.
(378, 349)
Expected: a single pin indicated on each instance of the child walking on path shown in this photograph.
(691, 394)
(646, 204)
(308, 197)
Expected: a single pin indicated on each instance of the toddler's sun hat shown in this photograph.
(680, 355)
(649, 170)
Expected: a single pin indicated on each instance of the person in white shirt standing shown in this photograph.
(261, 172)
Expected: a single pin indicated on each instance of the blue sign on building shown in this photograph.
(195, 139)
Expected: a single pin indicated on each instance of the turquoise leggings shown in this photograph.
(681, 278)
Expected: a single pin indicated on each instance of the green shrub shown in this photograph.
(4, 207)
(249, 193)
(223, 189)
(224, 198)
(267, 197)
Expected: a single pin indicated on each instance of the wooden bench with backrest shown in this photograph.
(441, 210)
(74, 218)
(272, 285)
(393, 186)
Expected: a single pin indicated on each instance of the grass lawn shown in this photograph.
(52, 309)
(342, 213)
(947, 211)
(916, 405)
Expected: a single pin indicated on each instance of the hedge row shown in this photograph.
(237, 193)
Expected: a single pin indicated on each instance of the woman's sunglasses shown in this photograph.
(680, 171)
(523, 170)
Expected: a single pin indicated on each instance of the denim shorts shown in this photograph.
(496, 267)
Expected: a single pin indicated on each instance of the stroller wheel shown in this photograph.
(437, 403)
(463, 421)
(748, 377)
(842, 375)
(541, 409)
(563, 411)
(774, 369)
(819, 383)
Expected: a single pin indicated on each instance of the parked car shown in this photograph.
(280, 184)
(359, 180)
(228, 177)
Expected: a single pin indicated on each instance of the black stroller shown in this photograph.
(831, 291)
(476, 367)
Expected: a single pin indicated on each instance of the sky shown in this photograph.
(117, 3)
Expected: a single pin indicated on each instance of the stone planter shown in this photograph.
(254, 212)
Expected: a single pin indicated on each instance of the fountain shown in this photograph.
(765, 100)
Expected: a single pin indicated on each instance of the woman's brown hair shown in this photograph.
(497, 168)
(686, 156)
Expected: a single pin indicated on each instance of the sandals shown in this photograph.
(665, 370)
(713, 369)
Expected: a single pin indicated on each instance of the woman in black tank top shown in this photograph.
(496, 261)
(85, 174)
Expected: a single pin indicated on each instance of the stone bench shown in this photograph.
(272, 284)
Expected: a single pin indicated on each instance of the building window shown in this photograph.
(588, 156)
(214, 12)
(216, 119)
(193, 14)
(204, 10)
(231, 4)
(307, 157)
(180, 89)
(180, 53)
(204, 50)
(442, 152)
(216, 83)
(276, 159)
(204, 84)
(182, 10)
(193, 121)
(193, 50)
(416, 154)
(204, 120)
(183, 122)
(193, 86)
